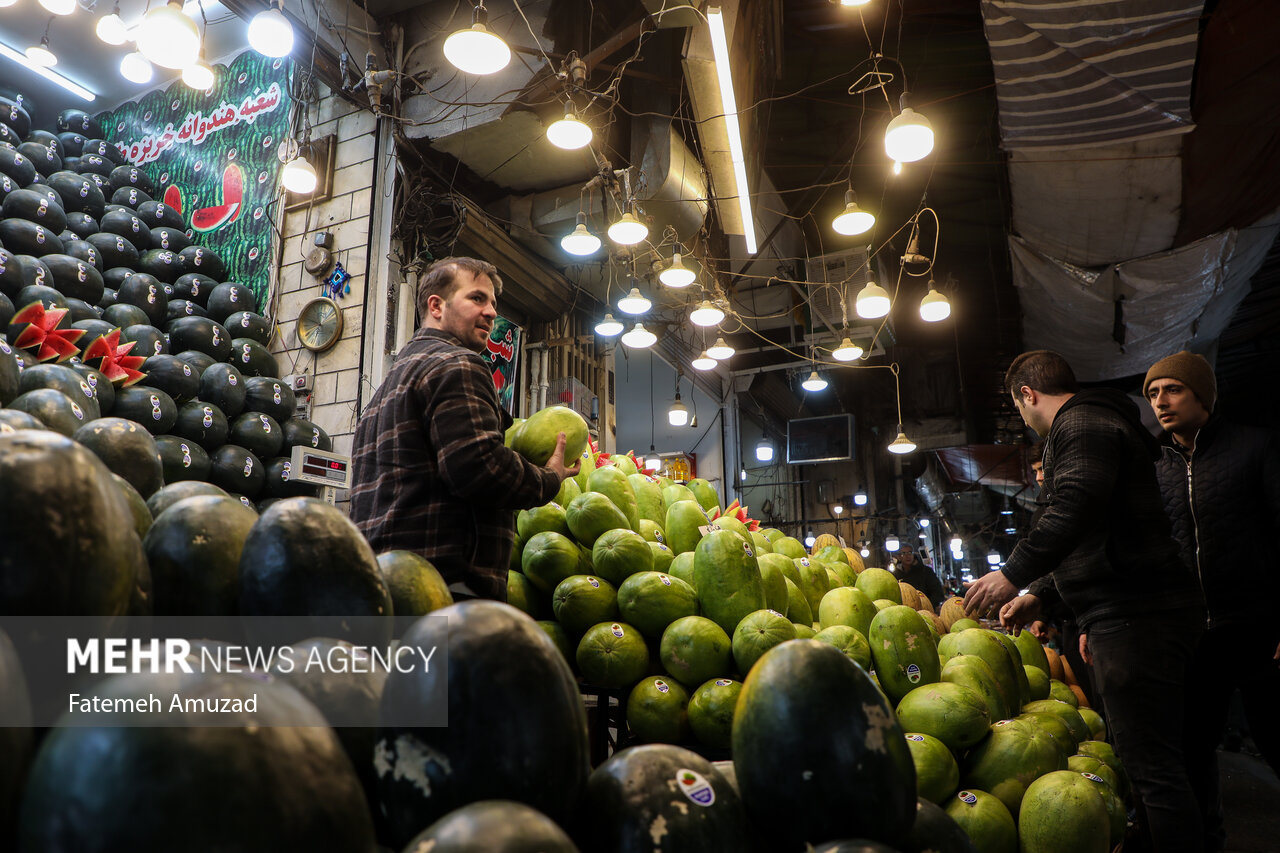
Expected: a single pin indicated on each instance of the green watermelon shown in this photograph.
(973, 672)
(953, 714)
(494, 826)
(684, 518)
(549, 517)
(985, 820)
(581, 601)
(648, 499)
(711, 712)
(728, 579)
(694, 650)
(704, 493)
(847, 606)
(620, 553)
(1010, 759)
(194, 549)
(590, 514)
(757, 633)
(1063, 811)
(937, 774)
(904, 654)
(612, 483)
(536, 440)
(677, 492)
(652, 600)
(658, 711)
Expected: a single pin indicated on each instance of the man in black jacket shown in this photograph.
(1105, 542)
(1221, 486)
(919, 576)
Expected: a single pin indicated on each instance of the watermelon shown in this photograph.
(1063, 811)
(127, 449)
(847, 606)
(202, 423)
(973, 672)
(591, 514)
(678, 492)
(202, 334)
(494, 826)
(228, 298)
(985, 820)
(253, 359)
(549, 517)
(937, 774)
(1010, 759)
(773, 579)
(813, 581)
(537, 438)
(953, 714)
(644, 788)
(302, 432)
(174, 492)
(125, 223)
(612, 483)
(281, 777)
(704, 493)
(756, 634)
(612, 654)
(172, 239)
(62, 378)
(499, 660)
(904, 654)
(682, 525)
(548, 558)
(182, 459)
(789, 547)
(222, 385)
(1064, 712)
(657, 711)
(270, 396)
(727, 578)
(797, 605)
(55, 410)
(1015, 658)
(257, 433)
(194, 548)
(652, 600)
(935, 830)
(879, 583)
(648, 499)
(810, 728)
(581, 601)
(195, 287)
(976, 641)
(305, 558)
(620, 553)
(148, 406)
(849, 641)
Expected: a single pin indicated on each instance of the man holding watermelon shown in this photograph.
(1105, 543)
(1221, 485)
(430, 471)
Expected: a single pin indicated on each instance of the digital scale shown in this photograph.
(321, 468)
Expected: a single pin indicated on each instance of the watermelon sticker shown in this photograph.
(284, 473)
(804, 561)
(666, 581)
(967, 798)
(594, 583)
(913, 673)
(84, 387)
(1092, 778)
(617, 630)
(662, 686)
(916, 738)
(747, 550)
(77, 411)
(723, 682)
(657, 535)
(695, 786)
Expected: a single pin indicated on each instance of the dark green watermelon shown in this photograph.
(80, 310)
(199, 361)
(305, 558)
(7, 184)
(148, 406)
(23, 237)
(129, 197)
(115, 276)
(272, 779)
(228, 298)
(182, 459)
(96, 164)
(246, 324)
(127, 449)
(16, 117)
(204, 423)
(194, 548)
(46, 160)
(127, 225)
(12, 420)
(161, 263)
(7, 310)
(78, 194)
(123, 175)
(157, 213)
(144, 291)
(123, 315)
(45, 294)
(238, 471)
(78, 121)
(16, 166)
(35, 207)
(115, 250)
(9, 374)
(797, 759)
(102, 387)
(75, 278)
(33, 271)
(299, 431)
(97, 145)
(172, 239)
(282, 484)
(202, 334)
(182, 308)
(270, 396)
(52, 408)
(173, 376)
(141, 523)
(253, 359)
(497, 826)
(83, 250)
(47, 139)
(12, 278)
(81, 224)
(148, 340)
(62, 377)
(257, 432)
(203, 260)
(72, 143)
(499, 659)
(174, 492)
(223, 386)
(99, 180)
(196, 287)
(660, 784)
(936, 831)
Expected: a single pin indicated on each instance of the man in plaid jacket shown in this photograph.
(430, 471)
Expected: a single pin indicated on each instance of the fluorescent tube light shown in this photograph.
(52, 76)
(729, 104)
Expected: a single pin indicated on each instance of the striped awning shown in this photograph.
(1084, 72)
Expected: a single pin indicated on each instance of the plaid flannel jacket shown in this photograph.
(430, 472)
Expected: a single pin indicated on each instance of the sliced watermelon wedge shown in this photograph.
(173, 197)
(42, 334)
(107, 356)
(212, 218)
(233, 188)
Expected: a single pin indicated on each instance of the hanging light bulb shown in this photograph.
(6, 3)
(854, 3)
(569, 133)
(634, 302)
(653, 461)
(934, 307)
(847, 351)
(677, 274)
(897, 167)
(608, 327)
(872, 302)
(891, 543)
(720, 350)
(477, 50)
(41, 55)
(860, 497)
(814, 383)
(167, 37)
(853, 220)
(909, 137)
(59, 7)
(704, 361)
(639, 337)
(810, 540)
(956, 543)
(678, 414)
(299, 176)
(993, 558)
(111, 29)
(580, 241)
(742, 475)
(270, 32)
(837, 508)
(198, 76)
(764, 450)
(901, 444)
(706, 314)
(865, 552)
(628, 230)
(924, 523)
(135, 68)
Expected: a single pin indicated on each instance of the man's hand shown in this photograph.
(1085, 654)
(1023, 610)
(985, 595)
(1039, 630)
(556, 462)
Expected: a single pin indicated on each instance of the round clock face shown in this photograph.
(320, 324)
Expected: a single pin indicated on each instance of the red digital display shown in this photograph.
(337, 466)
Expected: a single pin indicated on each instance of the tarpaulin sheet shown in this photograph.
(1084, 72)
(1117, 320)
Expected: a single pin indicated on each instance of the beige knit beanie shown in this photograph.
(1191, 370)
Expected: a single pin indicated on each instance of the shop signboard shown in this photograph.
(502, 353)
(212, 155)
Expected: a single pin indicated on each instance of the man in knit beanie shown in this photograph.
(1221, 486)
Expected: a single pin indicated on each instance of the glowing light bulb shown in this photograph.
(477, 50)
(270, 33)
(299, 176)
(608, 327)
(814, 383)
(909, 137)
(569, 133)
(853, 220)
(847, 351)
(706, 314)
(41, 55)
(167, 37)
(135, 68)
(634, 302)
(580, 241)
(677, 274)
(639, 337)
(872, 302)
(704, 362)
(720, 350)
(198, 76)
(628, 230)
(901, 444)
(934, 307)
(111, 29)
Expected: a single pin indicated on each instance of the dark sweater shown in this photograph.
(1104, 535)
(1224, 502)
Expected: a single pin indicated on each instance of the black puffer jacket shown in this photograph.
(1224, 502)
(1103, 535)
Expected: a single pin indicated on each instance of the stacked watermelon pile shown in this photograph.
(111, 312)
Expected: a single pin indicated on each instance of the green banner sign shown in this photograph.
(502, 353)
(212, 155)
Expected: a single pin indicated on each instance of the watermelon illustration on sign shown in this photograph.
(212, 218)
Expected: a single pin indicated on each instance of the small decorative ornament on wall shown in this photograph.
(338, 284)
